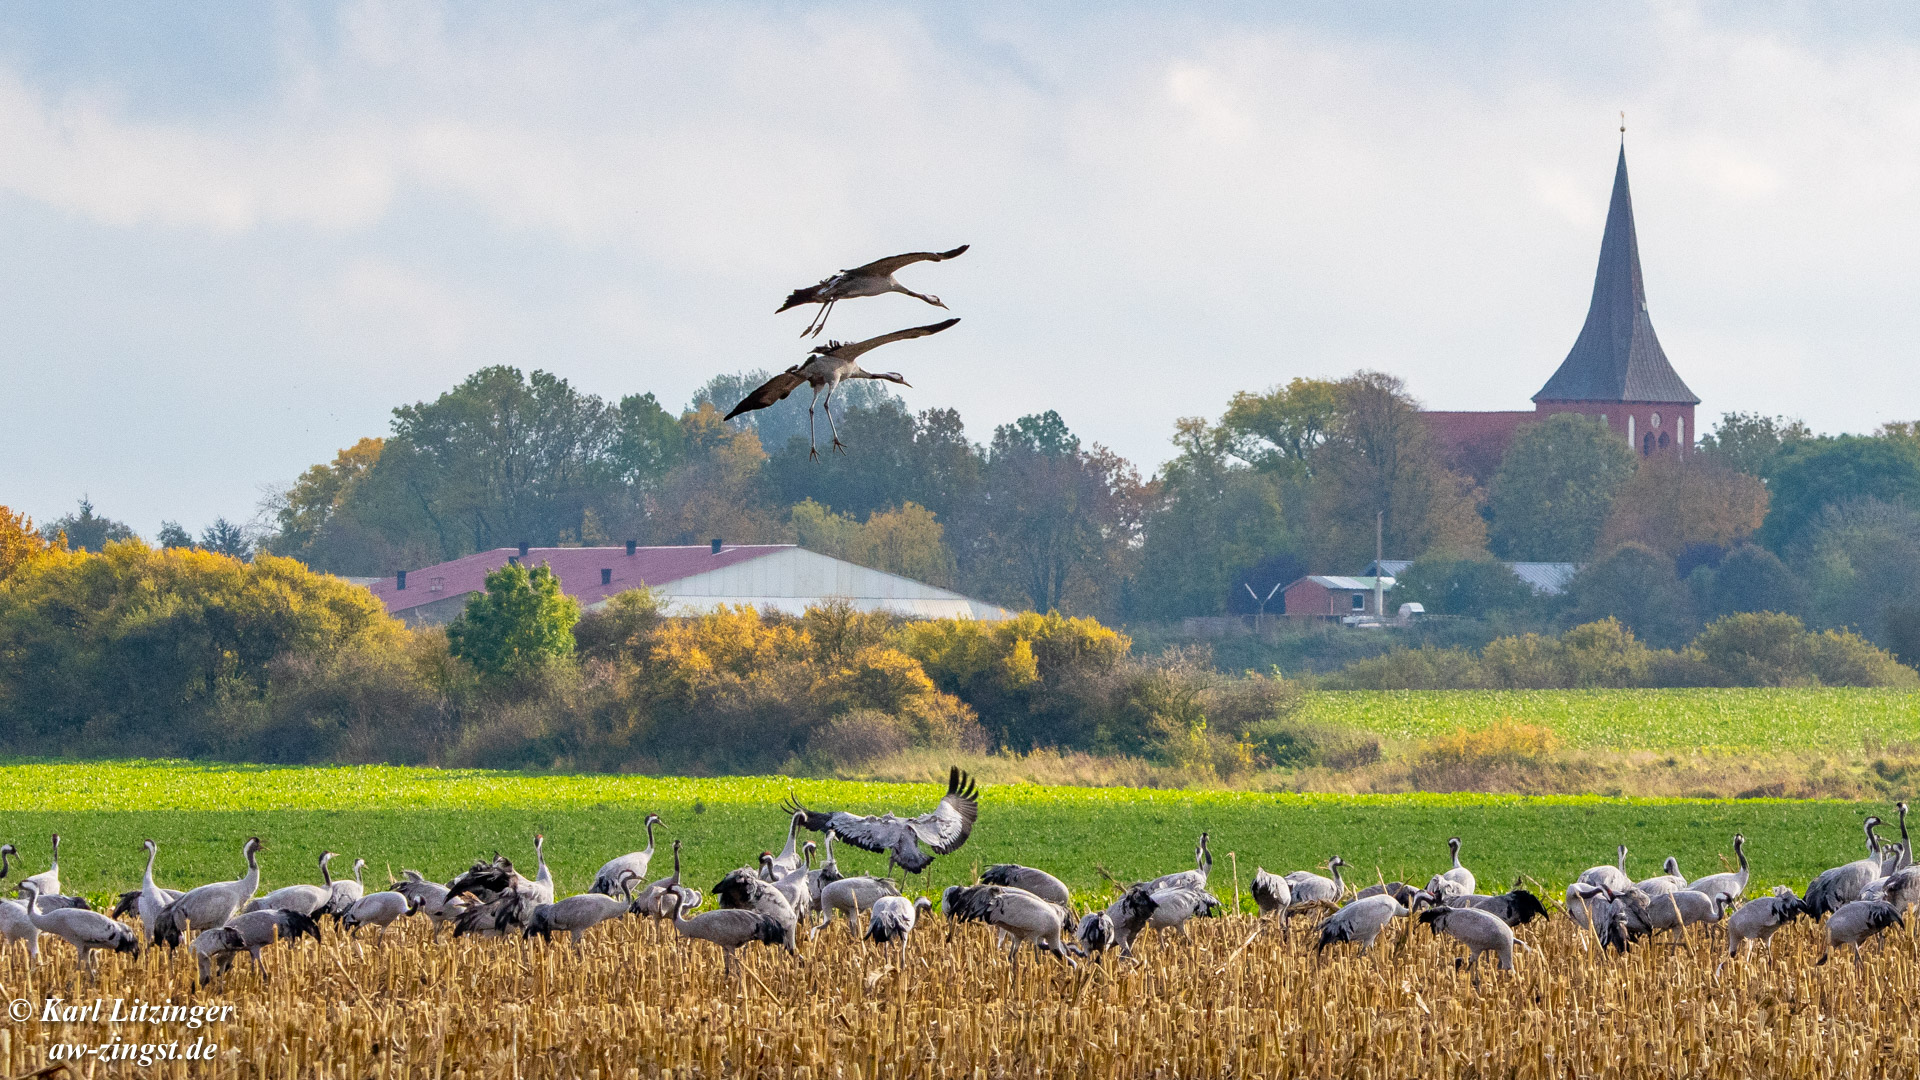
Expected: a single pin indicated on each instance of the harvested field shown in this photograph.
(1236, 998)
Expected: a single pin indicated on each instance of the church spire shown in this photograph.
(1617, 357)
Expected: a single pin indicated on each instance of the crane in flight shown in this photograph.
(825, 369)
(873, 279)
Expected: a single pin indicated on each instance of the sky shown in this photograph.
(234, 237)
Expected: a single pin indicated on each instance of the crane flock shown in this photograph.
(771, 902)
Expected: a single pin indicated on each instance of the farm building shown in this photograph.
(1321, 596)
(688, 580)
(1544, 578)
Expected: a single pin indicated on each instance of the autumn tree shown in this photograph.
(907, 541)
(1555, 487)
(1672, 503)
(19, 543)
(1749, 441)
(1377, 457)
(716, 490)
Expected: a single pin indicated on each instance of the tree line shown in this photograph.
(1766, 516)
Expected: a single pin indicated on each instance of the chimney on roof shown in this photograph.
(716, 545)
(606, 575)
(400, 580)
(523, 549)
(631, 544)
(513, 560)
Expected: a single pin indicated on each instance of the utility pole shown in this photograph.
(1379, 572)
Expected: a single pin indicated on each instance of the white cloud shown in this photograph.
(1163, 209)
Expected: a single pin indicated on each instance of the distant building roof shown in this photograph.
(1617, 357)
(1338, 581)
(784, 577)
(1544, 578)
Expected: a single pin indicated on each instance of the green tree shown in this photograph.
(1812, 474)
(782, 422)
(522, 622)
(1473, 587)
(1637, 586)
(1214, 522)
(1280, 430)
(87, 531)
(1860, 559)
(172, 535)
(897, 459)
(223, 537)
(1750, 578)
(1555, 486)
(1749, 441)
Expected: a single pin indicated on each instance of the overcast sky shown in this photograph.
(234, 237)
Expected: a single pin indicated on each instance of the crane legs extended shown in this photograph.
(819, 322)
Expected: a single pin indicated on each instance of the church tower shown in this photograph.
(1617, 369)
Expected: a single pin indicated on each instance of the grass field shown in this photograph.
(1773, 720)
(437, 821)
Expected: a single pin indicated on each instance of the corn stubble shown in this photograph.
(640, 1002)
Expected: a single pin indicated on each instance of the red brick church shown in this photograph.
(1616, 368)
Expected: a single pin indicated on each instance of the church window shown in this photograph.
(1646, 444)
(1654, 421)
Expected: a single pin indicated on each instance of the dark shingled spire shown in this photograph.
(1617, 357)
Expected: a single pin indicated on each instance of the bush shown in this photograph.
(1425, 668)
(1843, 658)
(1758, 649)
(1472, 587)
(521, 622)
(856, 738)
(1504, 742)
(1040, 680)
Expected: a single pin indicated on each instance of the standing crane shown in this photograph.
(88, 930)
(893, 918)
(1022, 916)
(1854, 923)
(825, 369)
(1038, 882)
(1458, 877)
(1194, 879)
(47, 882)
(1732, 883)
(873, 279)
(1607, 877)
(308, 900)
(728, 927)
(1845, 883)
(209, 905)
(607, 881)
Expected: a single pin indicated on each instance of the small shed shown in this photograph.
(1324, 596)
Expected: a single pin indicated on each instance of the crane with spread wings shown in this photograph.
(943, 829)
(873, 279)
(825, 369)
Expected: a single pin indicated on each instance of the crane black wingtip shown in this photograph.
(961, 250)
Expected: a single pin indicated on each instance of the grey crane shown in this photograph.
(743, 890)
(1759, 920)
(1845, 883)
(505, 899)
(1900, 888)
(308, 900)
(1272, 894)
(209, 905)
(1589, 906)
(430, 898)
(1673, 912)
(1855, 922)
(1096, 934)
(892, 919)
(728, 928)
(1310, 888)
(1399, 890)
(343, 893)
(792, 884)
(1038, 882)
(86, 931)
(1608, 877)
(1479, 930)
(15, 923)
(1458, 877)
(1666, 881)
(47, 882)
(1441, 888)
(873, 279)
(151, 899)
(943, 829)
(849, 897)
(381, 909)
(1195, 878)
(1361, 921)
(1895, 857)
(827, 874)
(250, 932)
(1732, 883)
(1123, 921)
(661, 898)
(607, 881)
(790, 855)
(1516, 907)
(825, 369)
(1022, 916)
(578, 914)
(1173, 907)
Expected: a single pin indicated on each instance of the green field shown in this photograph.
(1773, 720)
(437, 821)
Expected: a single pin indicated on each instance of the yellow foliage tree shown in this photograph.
(19, 541)
(1670, 504)
(908, 541)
